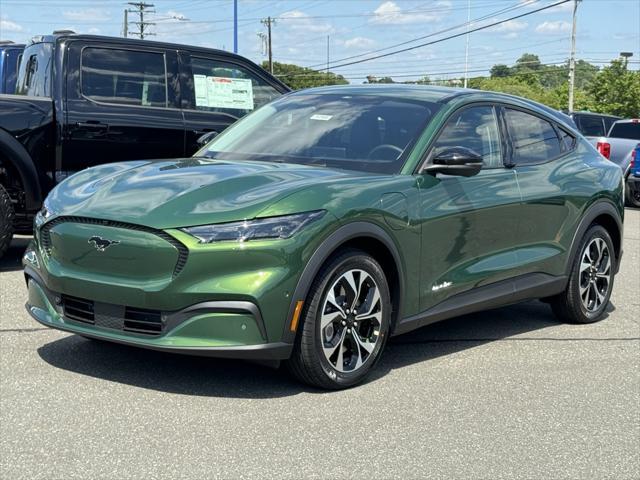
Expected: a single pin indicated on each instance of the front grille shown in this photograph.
(142, 321)
(114, 317)
(45, 237)
(78, 309)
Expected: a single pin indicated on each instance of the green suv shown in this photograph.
(329, 220)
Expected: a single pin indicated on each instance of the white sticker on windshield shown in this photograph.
(223, 92)
(323, 118)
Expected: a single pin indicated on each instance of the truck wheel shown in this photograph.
(633, 195)
(6, 221)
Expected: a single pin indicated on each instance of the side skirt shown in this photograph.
(506, 292)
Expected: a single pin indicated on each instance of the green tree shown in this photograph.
(499, 71)
(558, 98)
(372, 79)
(297, 77)
(512, 85)
(616, 90)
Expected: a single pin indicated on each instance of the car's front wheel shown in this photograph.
(589, 288)
(345, 322)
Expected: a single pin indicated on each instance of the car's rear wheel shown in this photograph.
(589, 288)
(7, 215)
(344, 324)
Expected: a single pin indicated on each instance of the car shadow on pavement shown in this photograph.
(12, 259)
(201, 376)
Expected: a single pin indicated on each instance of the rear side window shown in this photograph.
(629, 130)
(591, 126)
(608, 121)
(534, 139)
(568, 140)
(225, 87)
(475, 128)
(124, 77)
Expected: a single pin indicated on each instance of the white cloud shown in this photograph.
(94, 31)
(563, 7)
(9, 26)
(300, 21)
(87, 15)
(359, 43)
(390, 13)
(555, 27)
(510, 26)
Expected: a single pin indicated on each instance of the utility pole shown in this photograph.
(327, 55)
(235, 26)
(268, 22)
(125, 24)
(140, 9)
(466, 49)
(572, 58)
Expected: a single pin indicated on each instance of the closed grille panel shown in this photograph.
(45, 237)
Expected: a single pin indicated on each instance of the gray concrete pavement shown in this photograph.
(508, 393)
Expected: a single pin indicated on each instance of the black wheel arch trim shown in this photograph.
(600, 207)
(329, 246)
(19, 158)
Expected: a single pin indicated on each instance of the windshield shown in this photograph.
(368, 133)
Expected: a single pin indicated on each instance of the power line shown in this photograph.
(433, 42)
(454, 27)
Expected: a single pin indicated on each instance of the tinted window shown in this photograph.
(355, 132)
(626, 130)
(228, 88)
(608, 121)
(534, 139)
(123, 76)
(475, 128)
(34, 77)
(591, 126)
(568, 140)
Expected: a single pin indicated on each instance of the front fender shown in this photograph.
(330, 245)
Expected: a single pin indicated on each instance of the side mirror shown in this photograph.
(206, 138)
(460, 161)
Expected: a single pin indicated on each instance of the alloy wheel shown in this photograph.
(595, 274)
(351, 321)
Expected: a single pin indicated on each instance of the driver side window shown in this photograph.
(475, 128)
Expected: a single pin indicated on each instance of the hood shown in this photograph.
(181, 193)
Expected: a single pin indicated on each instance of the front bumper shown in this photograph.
(217, 329)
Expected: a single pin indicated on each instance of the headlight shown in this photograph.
(43, 214)
(272, 227)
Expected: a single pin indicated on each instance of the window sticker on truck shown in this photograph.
(223, 92)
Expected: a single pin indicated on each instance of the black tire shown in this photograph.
(632, 195)
(7, 215)
(308, 362)
(569, 306)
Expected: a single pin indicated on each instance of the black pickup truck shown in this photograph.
(84, 100)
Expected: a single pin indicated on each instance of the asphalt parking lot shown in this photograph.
(508, 393)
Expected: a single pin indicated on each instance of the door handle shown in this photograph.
(199, 133)
(92, 125)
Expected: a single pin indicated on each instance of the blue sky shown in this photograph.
(355, 27)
